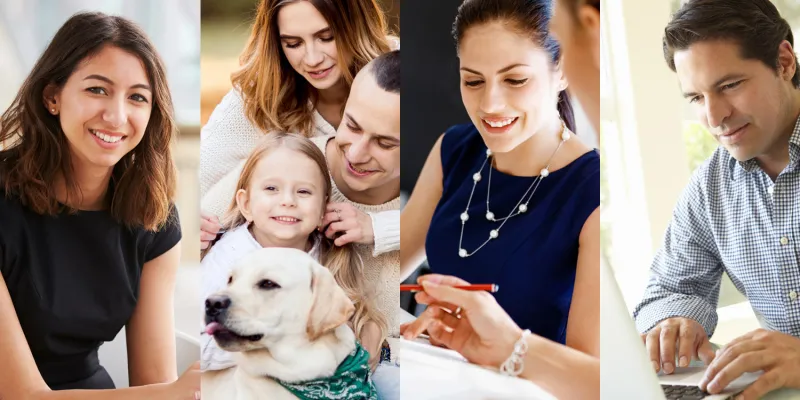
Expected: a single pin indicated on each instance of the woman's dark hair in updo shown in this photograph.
(528, 17)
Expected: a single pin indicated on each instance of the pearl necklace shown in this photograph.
(521, 206)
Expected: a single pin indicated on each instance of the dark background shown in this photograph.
(430, 100)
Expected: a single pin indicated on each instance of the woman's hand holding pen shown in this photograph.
(469, 322)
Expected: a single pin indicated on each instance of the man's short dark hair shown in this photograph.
(386, 70)
(755, 25)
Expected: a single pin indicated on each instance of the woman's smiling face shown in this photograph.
(104, 107)
(508, 85)
(308, 43)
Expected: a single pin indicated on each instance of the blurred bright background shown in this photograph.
(651, 142)
(226, 27)
(26, 27)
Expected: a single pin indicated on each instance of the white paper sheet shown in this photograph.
(430, 372)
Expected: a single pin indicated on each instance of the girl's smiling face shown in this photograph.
(285, 198)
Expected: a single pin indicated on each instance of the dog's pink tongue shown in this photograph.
(213, 327)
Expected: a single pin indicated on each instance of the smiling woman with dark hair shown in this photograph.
(511, 199)
(89, 239)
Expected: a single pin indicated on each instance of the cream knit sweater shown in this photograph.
(381, 271)
(226, 142)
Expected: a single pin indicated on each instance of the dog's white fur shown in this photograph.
(303, 323)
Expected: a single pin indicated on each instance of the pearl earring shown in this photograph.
(53, 110)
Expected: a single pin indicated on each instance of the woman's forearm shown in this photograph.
(155, 392)
(562, 371)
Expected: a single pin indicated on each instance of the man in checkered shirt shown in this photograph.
(741, 211)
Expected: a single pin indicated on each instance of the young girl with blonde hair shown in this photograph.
(280, 201)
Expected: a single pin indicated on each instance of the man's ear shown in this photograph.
(787, 61)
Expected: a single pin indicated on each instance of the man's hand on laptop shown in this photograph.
(662, 340)
(774, 353)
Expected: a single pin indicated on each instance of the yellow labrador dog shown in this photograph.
(285, 318)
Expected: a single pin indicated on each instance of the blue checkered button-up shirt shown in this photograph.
(731, 218)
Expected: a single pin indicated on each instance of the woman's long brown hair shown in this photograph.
(143, 181)
(276, 98)
(343, 261)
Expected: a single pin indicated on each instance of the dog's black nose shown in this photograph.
(217, 304)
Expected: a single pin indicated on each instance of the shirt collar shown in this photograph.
(752, 165)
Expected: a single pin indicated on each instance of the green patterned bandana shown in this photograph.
(350, 381)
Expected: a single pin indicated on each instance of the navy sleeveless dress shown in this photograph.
(534, 258)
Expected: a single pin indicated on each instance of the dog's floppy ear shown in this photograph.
(331, 306)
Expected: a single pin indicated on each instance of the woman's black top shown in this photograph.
(74, 282)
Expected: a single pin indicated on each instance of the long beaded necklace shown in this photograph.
(521, 206)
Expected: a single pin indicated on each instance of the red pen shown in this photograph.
(489, 287)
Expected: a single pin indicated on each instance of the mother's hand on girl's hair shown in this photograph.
(471, 323)
(209, 228)
(347, 224)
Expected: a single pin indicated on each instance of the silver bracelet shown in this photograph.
(514, 364)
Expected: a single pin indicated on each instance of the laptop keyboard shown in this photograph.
(678, 392)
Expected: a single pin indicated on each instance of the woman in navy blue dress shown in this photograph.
(512, 198)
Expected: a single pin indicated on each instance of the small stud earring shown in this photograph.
(52, 110)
